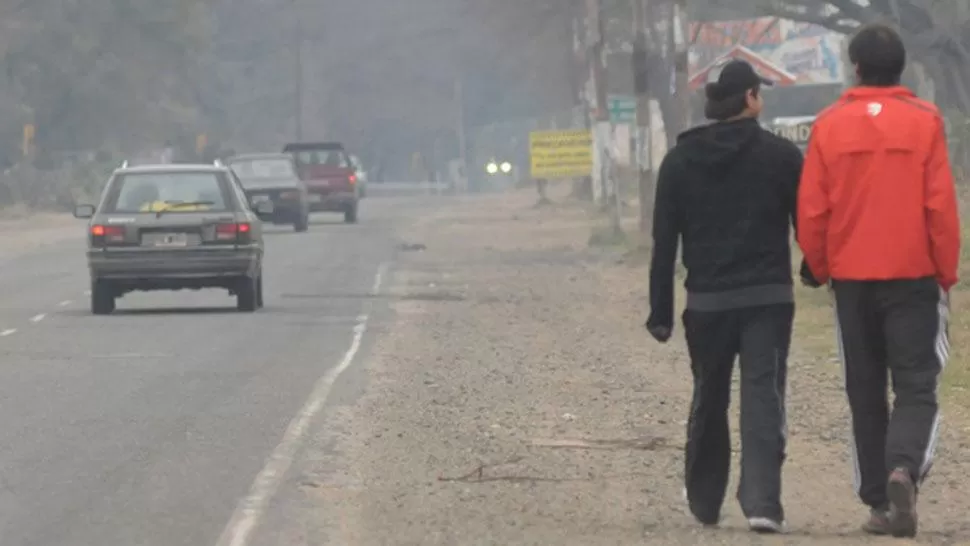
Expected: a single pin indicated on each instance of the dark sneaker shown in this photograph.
(878, 522)
(705, 520)
(903, 521)
(766, 526)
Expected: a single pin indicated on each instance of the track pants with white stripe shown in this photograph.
(759, 337)
(891, 329)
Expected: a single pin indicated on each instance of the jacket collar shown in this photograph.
(863, 92)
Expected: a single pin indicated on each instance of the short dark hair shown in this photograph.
(879, 55)
(723, 108)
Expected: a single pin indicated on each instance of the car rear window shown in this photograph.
(330, 158)
(172, 192)
(277, 167)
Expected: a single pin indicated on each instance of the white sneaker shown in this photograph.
(766, 525)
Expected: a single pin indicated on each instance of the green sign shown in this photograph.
(622, 109)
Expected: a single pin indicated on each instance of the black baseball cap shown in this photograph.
(736, 77)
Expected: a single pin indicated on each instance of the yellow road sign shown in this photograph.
(561, 154)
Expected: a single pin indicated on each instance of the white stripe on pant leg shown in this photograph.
(943, 355)
(856, 469)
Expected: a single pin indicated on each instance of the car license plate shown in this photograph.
(314, 198)
(172, 240)
(259, 198)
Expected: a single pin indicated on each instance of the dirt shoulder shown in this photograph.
(22, 230)
(514, 398)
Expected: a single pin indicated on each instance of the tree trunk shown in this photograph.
(661, 65)
(679, 31)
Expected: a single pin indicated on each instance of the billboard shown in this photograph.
(810, 52)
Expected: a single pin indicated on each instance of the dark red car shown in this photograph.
(329, 175)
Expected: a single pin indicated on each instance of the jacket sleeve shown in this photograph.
(793, 173)
(942, 217)
(666, 233)
(813, 212)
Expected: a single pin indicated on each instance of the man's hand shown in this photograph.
(807, 278)
(660, 333)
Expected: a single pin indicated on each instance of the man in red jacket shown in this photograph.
(877, 217)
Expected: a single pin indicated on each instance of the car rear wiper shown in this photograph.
(170, 205)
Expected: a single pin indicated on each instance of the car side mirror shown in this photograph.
(84, 211)
(265, 207)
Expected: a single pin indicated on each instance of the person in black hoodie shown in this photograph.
(728, 190)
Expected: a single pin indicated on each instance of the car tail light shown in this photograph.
(233, 232)
(352, 179)
(102, 235)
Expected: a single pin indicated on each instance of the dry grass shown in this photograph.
(957, 375)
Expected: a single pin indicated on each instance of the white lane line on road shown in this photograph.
(379, 279)
(250, 509)
(8, 331)
(65, 303)
(131, 356)
(37, 318)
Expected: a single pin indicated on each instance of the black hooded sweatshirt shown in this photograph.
(729, 191)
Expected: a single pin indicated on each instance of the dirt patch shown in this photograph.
(536, 410)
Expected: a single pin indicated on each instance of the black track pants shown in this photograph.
(761, 337)
(894, 329)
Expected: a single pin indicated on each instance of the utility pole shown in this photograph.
(433, 166)
(298, 68)
(641, 84)
(460, 128)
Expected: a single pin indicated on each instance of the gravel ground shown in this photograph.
(510, 336)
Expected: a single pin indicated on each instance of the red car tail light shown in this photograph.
(233, 232)
(352, 179)
(102, 235)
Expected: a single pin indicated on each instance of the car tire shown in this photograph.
(259, 291)
(302, 223)
(246, 294)
(102, 298)
(350, 215)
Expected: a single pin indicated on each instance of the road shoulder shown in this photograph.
(515, 399)
(22, 231)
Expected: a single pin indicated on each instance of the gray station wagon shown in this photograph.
(174, 227)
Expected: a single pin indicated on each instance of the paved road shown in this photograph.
(147, 427)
